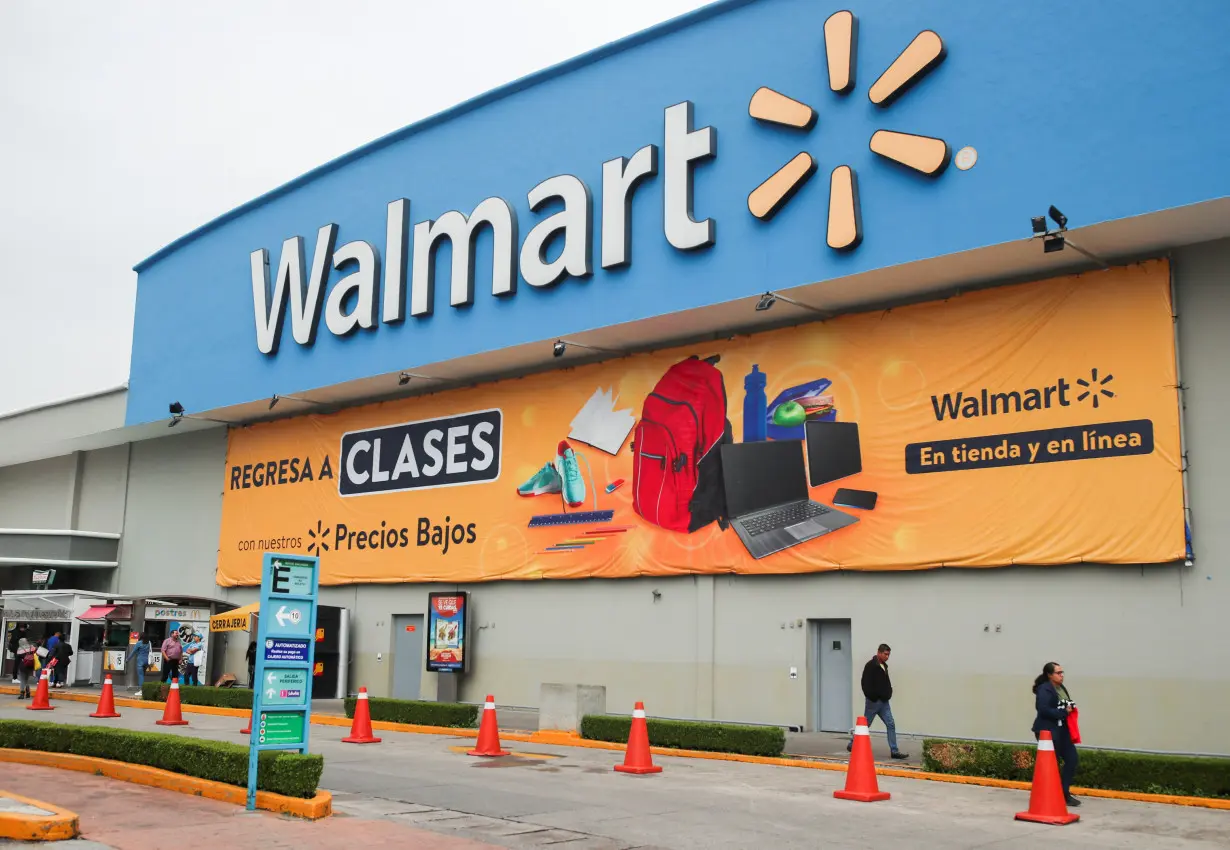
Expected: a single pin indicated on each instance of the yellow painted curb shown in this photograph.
(571, 739)
(150, 705)
(320, 806)
(59, 826)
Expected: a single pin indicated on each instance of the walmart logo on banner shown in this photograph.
(922, 154)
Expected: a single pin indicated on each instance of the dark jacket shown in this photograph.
(877, 687)
(63, 652)
(1051, 717)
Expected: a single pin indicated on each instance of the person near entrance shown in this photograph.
(140, 652)
(172, 652)
(23, 660)
(19, 632)
(63, 656)
(193, 661)
(877, 691)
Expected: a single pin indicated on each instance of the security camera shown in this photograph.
(1059, 218)
(558, 349)
(176, 408)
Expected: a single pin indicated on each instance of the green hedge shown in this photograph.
(418, 712)
(290, 774)
(689, 735)
(1114, 771)
(200, 695)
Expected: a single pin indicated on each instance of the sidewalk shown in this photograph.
(132, 817)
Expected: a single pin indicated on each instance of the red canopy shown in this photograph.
(97, 612)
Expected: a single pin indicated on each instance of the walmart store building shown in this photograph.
(972, 260)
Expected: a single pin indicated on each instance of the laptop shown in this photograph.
(833, 451)
(766, 497)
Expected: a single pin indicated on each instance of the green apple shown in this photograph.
(789, 414)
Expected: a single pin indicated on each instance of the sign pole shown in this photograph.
(285, 654)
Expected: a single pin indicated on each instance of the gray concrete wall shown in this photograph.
(104, 480)
(37, 494)
(56, 430)
(174, 511)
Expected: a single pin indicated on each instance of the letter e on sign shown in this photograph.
(281, 579)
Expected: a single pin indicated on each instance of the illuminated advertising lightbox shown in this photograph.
(448, 619)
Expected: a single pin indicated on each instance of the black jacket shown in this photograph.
(1050, 717)
(63, 651)
(877, 687)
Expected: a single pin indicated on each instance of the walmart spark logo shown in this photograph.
(319, 535)
(921, 153)
(1094, 388)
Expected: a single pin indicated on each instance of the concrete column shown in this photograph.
(72, 508)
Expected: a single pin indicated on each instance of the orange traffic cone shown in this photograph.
(106, 702)
(361, 728)
(488, 732)
(41, 700)
(861, 782)
(1046, 802)
(247, 730)
(171, 715)
(637, 758)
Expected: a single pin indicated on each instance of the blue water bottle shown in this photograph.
(754, 406)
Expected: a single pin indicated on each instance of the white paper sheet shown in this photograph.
(600, 425)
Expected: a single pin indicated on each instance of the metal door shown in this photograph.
(834, 676)
(408, 658)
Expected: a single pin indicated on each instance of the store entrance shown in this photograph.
(37, 632)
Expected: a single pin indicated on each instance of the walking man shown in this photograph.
(877, 691)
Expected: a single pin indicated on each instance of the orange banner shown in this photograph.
(1030, 424)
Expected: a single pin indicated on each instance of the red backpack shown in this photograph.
(676, 461)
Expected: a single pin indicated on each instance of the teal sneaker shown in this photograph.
(570, 474)
(545, 480)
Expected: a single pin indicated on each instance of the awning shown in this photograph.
(237, 620)
(97, 612)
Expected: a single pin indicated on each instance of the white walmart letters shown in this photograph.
(353, 301)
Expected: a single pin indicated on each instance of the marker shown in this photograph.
(614, 485)
(615, 530)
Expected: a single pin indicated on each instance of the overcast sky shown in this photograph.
(124, 125)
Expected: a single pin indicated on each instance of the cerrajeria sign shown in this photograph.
(362, 289)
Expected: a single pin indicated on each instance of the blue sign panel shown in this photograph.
(289, 587)
(291, 618)
(287, 650)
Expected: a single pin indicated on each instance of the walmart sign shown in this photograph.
(355, 300)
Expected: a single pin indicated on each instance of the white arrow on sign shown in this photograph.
(269, 678)
(270, 693)
(283, 615)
